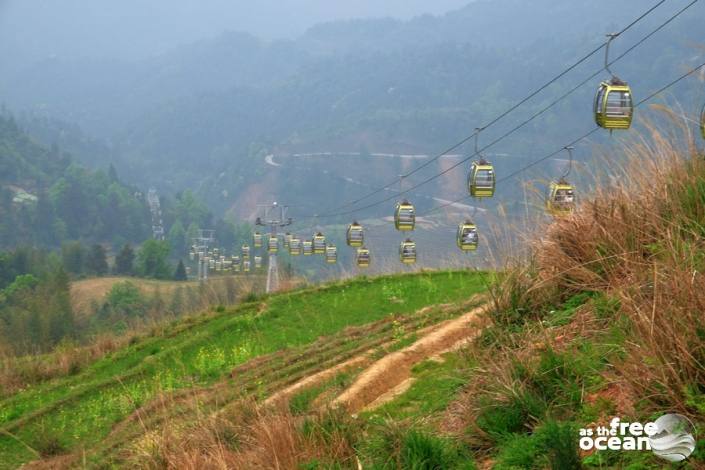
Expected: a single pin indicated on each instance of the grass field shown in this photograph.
(86, 293)
(80, 411)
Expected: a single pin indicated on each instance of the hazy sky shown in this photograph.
(136, 28)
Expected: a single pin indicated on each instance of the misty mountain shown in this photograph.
(204, 116)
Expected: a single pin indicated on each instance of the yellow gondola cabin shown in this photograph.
(561, 198)
(362, 257)
(407, 252)
(355, 236)
(331, 254)
(481, 179)
(319, 244)
(467, 237)
(404, 216)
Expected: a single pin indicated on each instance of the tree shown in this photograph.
(191, 233)
(180, 274)
(152, 259)
(126, 300)
(112, 174)
(124, 261)
(97, 262)
(74, 256)
(177, 237)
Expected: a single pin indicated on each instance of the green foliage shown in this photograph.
(35, 310)
(392, 446)
(422, 451)
(552, 385)
(606, 307)
(180, 273)
(22, 283)
(125, 260)
(553, 445)
(96, 261)
(125, 300)
(177, 238)
(74, 257)
(152, 260)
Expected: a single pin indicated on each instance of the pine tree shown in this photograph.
(74, 257)
(152, 260)
(177, 238)
(97, 262)
(112, 174)
(124, 261)
(180, 274)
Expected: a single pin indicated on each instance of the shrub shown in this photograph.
(423, 451)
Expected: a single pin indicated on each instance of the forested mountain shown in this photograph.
(47, 199)
(204, 116)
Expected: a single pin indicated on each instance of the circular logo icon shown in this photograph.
(673, 440)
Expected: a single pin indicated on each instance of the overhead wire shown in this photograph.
(574, 142)
(501, 116)
(522, 124)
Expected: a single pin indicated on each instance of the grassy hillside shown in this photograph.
(604, 319)
(85, 293)
(211, 353)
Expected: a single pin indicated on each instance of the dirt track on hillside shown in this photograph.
(394, 369)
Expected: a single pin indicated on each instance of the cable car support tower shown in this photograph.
(201, 245)
(274, 217)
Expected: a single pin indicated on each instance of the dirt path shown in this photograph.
(318, 378)
(385, 375)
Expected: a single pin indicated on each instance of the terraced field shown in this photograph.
(203, 365)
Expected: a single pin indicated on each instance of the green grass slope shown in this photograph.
(603, 319)
(79, 412)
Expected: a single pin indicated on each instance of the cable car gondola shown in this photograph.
(273, 244)
(245, 252)
(331, 254)
(561, 198)
(404, 216)
(355, 235)
(258, 262)
(246, 266)
(257, 240)
(613, 107)
(407, 252)
(295, 246)
(702, 123)
(467, 237)
(319, 244)
(287, 240)
(481, 179)
(561, 194)
(362, 257)
(307, 247)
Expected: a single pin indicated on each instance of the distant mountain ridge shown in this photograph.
(205, 115)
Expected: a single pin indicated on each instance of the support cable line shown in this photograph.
(519, 126)
(508, 111)
(573, 143)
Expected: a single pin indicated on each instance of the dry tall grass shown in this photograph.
(641, 241)
(249, 436)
